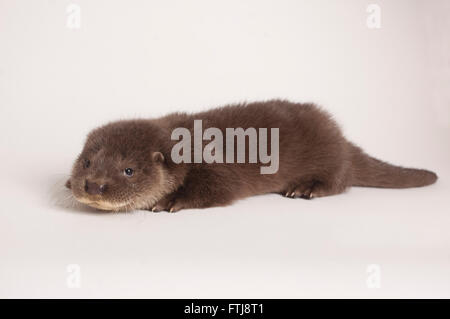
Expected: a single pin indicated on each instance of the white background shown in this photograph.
(387, 87)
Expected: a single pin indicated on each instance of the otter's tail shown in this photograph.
(370, 172)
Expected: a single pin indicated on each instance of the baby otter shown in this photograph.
(129, 164)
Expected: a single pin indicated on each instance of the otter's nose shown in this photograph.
(93, 188)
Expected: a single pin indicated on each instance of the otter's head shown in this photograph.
(121, 167)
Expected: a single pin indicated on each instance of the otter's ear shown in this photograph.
(68, 184)
(158, 157)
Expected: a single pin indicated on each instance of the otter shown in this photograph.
(127, 165)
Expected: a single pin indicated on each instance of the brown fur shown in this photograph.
(315, 160)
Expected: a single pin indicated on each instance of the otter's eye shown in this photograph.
(128, 171)
(86, 163)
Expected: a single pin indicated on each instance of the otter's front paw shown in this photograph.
(169, 204)
(176, 206)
